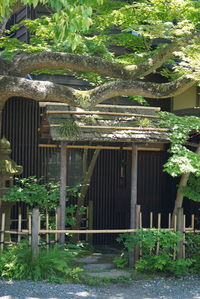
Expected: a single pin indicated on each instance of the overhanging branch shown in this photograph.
(49, 91)
(23, 65)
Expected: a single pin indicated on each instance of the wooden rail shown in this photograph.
(42, 235)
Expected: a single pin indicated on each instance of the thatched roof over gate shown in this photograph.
(105, 123)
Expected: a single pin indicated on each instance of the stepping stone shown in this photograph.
(111, 274)
(98, 266)
(90, 259)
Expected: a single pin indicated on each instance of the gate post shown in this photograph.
(35, 233)
(180, 223)
(133, 205)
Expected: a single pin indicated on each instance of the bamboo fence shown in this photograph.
(40, 229)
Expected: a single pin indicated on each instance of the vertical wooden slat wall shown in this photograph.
(110, 194)
(21, 120)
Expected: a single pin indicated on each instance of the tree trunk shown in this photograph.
(84, 188)
(179, 196)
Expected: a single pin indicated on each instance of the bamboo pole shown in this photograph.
(39, 227)
(63, 180)
(157, 147)
(29, 228)
(57, 219)
(169, 221)
(90, 220)
(87, 231)
(175, 224)
(151, 226)
(134, 166)
(151, 219)
(19, 225)
(192, 222)
(184, 224)
(159, 226)
(103, 113)
(138, 218)
(47, 228)
(3, 223)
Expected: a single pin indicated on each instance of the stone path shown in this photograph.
(100, 265)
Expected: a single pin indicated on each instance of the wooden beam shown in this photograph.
(63, 182)
(101, 113)
(134, 167)
(157, 147)
(44, 104)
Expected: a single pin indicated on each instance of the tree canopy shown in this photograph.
(154, 36)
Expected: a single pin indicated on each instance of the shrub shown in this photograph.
(153, 260)
(52, 265)
(193, 250)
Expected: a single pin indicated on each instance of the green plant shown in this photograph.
(69, 129)
(121, 261)
(54, 264)
(31, 191)
(80, 248)
(144, 122)
(193, 250)
(153, 260)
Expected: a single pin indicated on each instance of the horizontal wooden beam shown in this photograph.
(44, 104)
(159, 147)
(101, 113)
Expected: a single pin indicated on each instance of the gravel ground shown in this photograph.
(162, 288)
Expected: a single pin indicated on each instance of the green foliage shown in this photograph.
(121, 261)
(144, 122)
(151, 260)
(55, 264)
(45, 197)
(69, 129)
(183, 160)
(193, 250)
(92, 27)
(192, 190)
(34, 193)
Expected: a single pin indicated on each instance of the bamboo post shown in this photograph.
(35, 233)
(3, 223)
(175, 223)
(151, 226)
(180, 229)
(159, 226)
(169, 221)
(133, 197)
(47, 228)
(57, 218)
(137, 225)
(19, 225)
(192, 221)
(151, 220)
(184, 225)
(140, 220)
(63, 180)
(29, 229)
(39, 228)
(90, 220)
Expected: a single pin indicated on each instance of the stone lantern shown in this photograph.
(8, 168)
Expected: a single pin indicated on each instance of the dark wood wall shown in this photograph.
(109, 191)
